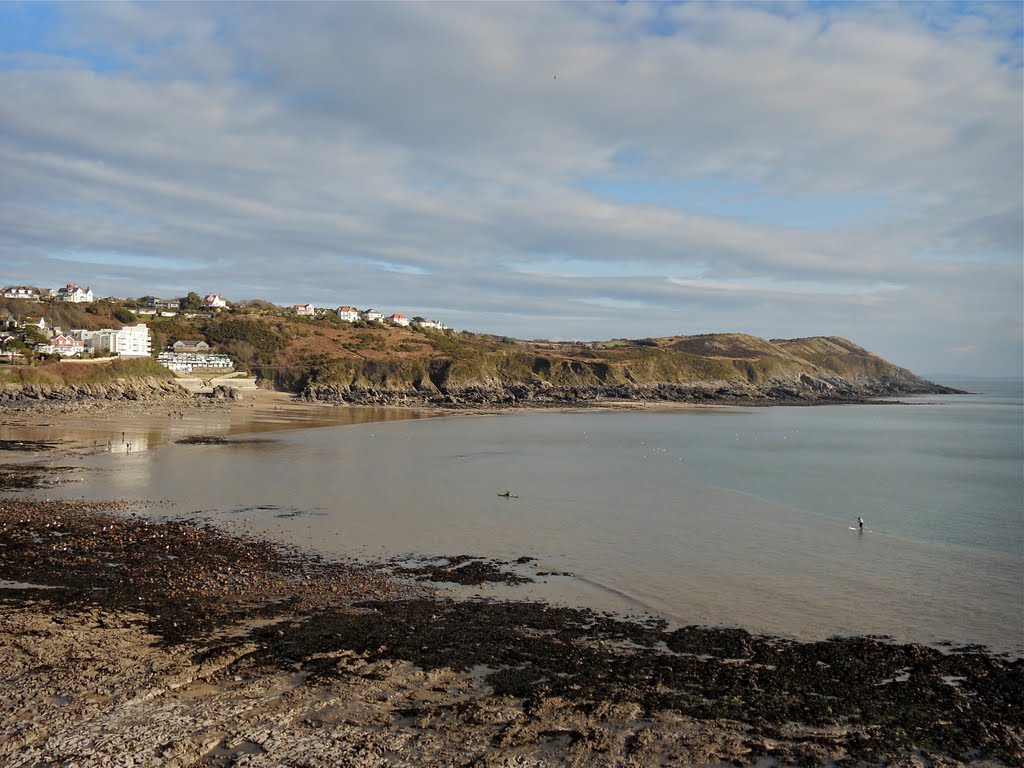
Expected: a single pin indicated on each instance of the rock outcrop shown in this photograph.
(117, 390)
(797, 390)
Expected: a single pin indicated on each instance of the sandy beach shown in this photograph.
(132, 641)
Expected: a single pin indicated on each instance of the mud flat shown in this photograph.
(129, 641)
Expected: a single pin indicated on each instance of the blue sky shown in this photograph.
(541, 170)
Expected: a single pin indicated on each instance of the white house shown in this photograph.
(74, 294)
(371, 315)
(214, 300)
(130, 341)
(305, 310)
(21, 292)
(348, 314)
(430, 324)
(35, 322)
(399, 319)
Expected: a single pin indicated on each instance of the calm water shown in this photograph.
(734, 517)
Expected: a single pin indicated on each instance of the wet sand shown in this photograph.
(128, 640)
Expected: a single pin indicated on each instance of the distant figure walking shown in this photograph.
(860, 524)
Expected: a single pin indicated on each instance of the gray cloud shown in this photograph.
(416, 156)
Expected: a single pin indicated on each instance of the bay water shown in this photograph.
(722, 516)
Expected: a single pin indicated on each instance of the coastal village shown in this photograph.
(27, 336)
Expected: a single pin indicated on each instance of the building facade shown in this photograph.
(74, 294)
(130, 341)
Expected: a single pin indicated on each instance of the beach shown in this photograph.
(131, 639)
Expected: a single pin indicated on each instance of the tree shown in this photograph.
(192, 301)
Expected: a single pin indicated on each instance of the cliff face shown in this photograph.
(724, 368)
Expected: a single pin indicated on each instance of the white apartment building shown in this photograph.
(130, 341)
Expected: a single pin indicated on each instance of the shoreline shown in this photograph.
(175, 643)
(179, 643)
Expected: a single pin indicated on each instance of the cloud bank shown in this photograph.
(563, 171)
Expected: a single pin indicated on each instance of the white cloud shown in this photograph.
(414, 155)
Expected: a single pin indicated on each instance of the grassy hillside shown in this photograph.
(67, 374)
(296, 352)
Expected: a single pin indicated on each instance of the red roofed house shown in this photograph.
(67, 346)
(399, 319)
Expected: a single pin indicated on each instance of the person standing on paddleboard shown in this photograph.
(860, 523)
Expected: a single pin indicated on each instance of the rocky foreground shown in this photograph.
(128, 641)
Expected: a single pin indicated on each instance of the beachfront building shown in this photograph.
(304, 310)
(399, 319)
(214, 300)
(63, 345)
(348, 314)
(72, 293)
(371, 315)
(26, 292)
(130, 341)
(192, 362)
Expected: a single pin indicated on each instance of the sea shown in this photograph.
(738, 517)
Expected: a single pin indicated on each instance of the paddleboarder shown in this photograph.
(860, 524)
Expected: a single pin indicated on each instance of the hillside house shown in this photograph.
(214, 300)
(156, 303)
(304, 310)
(35, 322)
(430, 324)
(74, 294)
(399, 319)
(371, 315)
(26, 292)
(62, 345)
(348, 314)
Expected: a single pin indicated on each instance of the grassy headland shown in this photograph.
(324, 358)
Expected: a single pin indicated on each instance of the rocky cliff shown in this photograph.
(713, 368)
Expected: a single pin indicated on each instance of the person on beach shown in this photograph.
(860, 524)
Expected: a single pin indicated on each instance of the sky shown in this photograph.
(539, 170)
